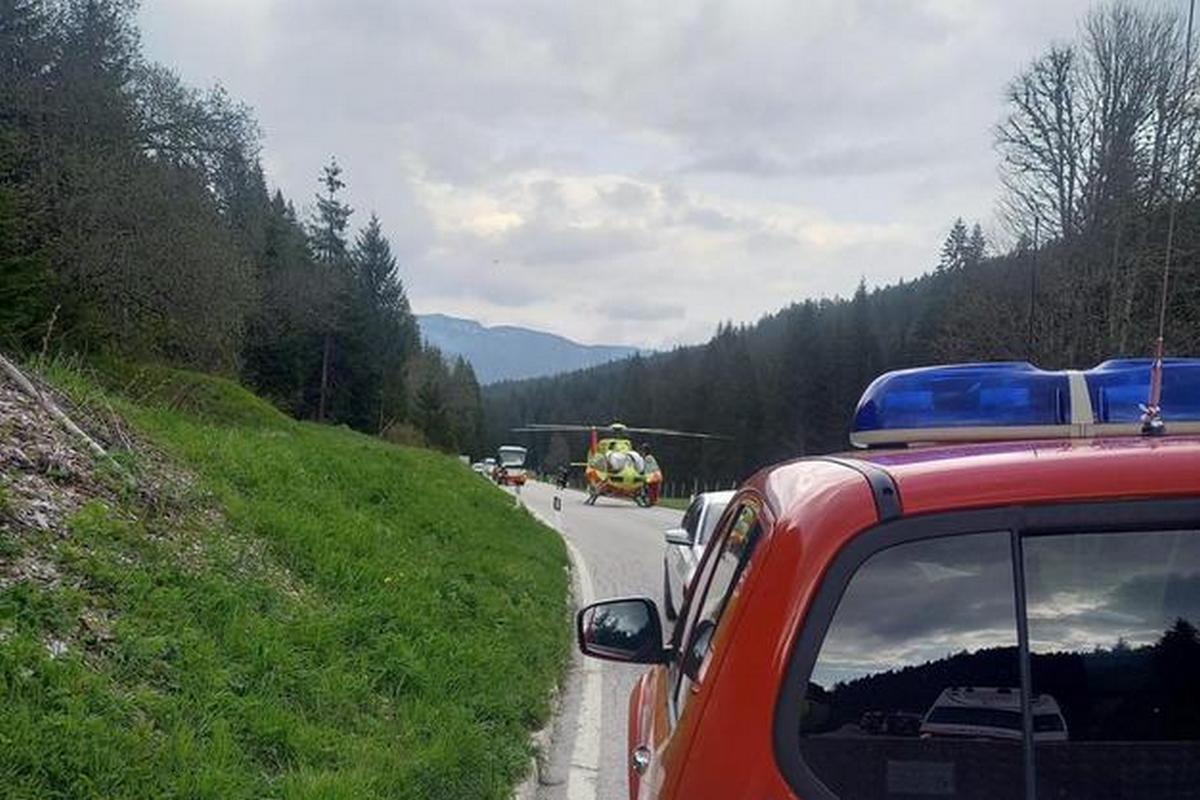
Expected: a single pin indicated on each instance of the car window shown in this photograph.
(724, 570)
(917, 683)
(692, 516)
(1113, 642)
(916, 686)
(712, 515)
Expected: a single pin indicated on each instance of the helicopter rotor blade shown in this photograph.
(682, 434)
(539, 428)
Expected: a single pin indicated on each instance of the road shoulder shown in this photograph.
(568, 747)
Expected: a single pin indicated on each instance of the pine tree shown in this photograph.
(383, 329)
(282, 347)
(465, 406)
(327, 236)
(976, 249)
(331, 218)
(375, 270)
(26, 309)
(431, 404)
(955, 249)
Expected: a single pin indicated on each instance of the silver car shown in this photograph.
(685, 545)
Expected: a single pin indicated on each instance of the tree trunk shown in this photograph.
(322, 403)
(1117, 324)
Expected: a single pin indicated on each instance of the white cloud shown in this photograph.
(548, 163)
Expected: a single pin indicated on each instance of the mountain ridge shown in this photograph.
(512, 352)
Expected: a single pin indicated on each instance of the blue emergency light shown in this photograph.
(1117, 389)
(1016, 400)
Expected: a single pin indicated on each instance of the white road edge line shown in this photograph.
(583, 770)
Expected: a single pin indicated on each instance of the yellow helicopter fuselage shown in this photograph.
(615, 468)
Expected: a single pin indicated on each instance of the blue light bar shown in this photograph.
(1015, 400)
(1118, 389)
(964, 396)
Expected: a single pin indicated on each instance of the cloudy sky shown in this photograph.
(628, 172)
(922, 601)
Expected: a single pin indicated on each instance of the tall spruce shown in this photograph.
(977, 245)
(384, 325)
(328, 240)
(956, 248)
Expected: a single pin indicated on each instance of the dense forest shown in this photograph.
(136, 222)
(1098, 153)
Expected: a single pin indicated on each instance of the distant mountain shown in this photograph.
(507, 352)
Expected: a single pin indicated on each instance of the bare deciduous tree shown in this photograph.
(1041, 145)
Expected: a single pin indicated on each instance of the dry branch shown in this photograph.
(51, 408)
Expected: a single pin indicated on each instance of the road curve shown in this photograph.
(620, 548)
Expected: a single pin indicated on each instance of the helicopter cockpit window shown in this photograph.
(617, 460)
(639, 463)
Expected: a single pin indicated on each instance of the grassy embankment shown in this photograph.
(319, 614)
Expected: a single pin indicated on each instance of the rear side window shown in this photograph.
(1113, 643)
(949, 669)
(888, 712)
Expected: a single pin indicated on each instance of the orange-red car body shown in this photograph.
(723, 744)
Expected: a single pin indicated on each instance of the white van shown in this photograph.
(992, 713)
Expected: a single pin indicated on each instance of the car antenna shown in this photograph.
(1033, 266)
(1152, 421)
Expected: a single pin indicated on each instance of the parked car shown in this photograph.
(992, 712)
(1008, 528)
(685, 545)
(890, 723)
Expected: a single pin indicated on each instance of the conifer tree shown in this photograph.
(956, 248)
(330, 219)
(327, 236)
(976, 245)
(383, 328)
(135, 218)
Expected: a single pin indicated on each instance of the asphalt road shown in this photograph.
(620, 547)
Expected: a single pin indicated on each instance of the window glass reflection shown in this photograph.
(620, 628)
(1113, 639)
(916, 688)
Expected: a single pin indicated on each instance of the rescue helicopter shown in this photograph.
(614, 467)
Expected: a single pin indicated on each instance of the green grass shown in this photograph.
(355, 620)
(677, 503)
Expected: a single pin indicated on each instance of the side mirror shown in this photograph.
(679, 536)
(625, 630)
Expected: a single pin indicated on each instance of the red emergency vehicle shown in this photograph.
(1010, 532)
